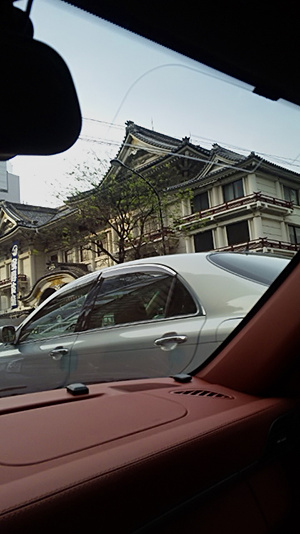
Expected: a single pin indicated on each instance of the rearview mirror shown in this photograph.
(40, 113)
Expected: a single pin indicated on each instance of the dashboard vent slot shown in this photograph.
(201, 393)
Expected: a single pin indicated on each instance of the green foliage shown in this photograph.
(119, 202)
(117, 213)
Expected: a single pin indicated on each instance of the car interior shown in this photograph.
(212, 451)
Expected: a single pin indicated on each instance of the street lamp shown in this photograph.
(118, 163)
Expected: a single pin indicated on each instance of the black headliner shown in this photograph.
(254, 41)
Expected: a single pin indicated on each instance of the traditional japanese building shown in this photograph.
(235, 202)
(213, 199)
(38, 272)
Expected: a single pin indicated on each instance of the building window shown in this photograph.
(290, 194)
(204, 241)
(98, 248)
(294, 233)
(238, 233)
(83, 254)
(68, 256)
(233, 190)
(200, 202)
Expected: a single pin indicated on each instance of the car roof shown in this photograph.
(218, 291)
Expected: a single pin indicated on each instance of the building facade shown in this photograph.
(213, 199)
(9, 184)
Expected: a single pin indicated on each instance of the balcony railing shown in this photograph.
(262, 243)
(231, 204)
(7, 281)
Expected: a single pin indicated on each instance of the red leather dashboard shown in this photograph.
(155, 443)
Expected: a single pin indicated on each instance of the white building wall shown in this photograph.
(250, 184)
(9, 184)
(256, 228)
(268, 187)
(272, 229)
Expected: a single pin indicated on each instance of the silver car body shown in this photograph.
(63, 347)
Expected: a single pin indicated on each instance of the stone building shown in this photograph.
(222, 200)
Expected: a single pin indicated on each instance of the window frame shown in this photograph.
(294, 228)
(287, 190)
(212, 240)
(199, 196)
(68, 256)
(141, 269)
(233, 184)
(243, 222)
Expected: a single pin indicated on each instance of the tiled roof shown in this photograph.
(226, 153)
(169, 146)
(33, 216)
(151, 137)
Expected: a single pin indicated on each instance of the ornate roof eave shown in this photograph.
(21, 221)
(166, 147)
(251, 164)
(13, 233)
(221, 162)
(20, 226)
(153, 138)
(17, 213)
(216, 175)
(283, 172)
(64, 275)
(6, 221)
(155, 150)
(173, 156)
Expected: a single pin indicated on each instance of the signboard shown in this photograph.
(14, 276)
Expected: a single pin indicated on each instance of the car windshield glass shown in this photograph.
(173, 159)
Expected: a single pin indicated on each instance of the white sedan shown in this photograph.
(153, 317)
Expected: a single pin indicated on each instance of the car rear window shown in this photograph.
(256, 267)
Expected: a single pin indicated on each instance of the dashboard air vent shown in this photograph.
(201, 393)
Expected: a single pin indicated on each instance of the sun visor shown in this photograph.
(40, 113)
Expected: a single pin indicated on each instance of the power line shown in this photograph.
(280, 159)
(166, 152)
(106, 123)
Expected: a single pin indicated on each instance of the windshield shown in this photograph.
(173, 158)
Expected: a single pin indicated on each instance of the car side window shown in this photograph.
(135, 297)
(181, 302)
(59, 316)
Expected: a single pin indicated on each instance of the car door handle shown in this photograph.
(169, 341)
(57, 353)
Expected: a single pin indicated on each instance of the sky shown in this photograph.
(120, 76)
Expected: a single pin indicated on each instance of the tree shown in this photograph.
(119, 205)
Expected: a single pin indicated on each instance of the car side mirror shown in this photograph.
(40, 113)
(7, 334)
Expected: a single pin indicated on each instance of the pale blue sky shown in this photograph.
(120, 76)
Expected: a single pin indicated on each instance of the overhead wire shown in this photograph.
(209, 141)
(166, 152)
